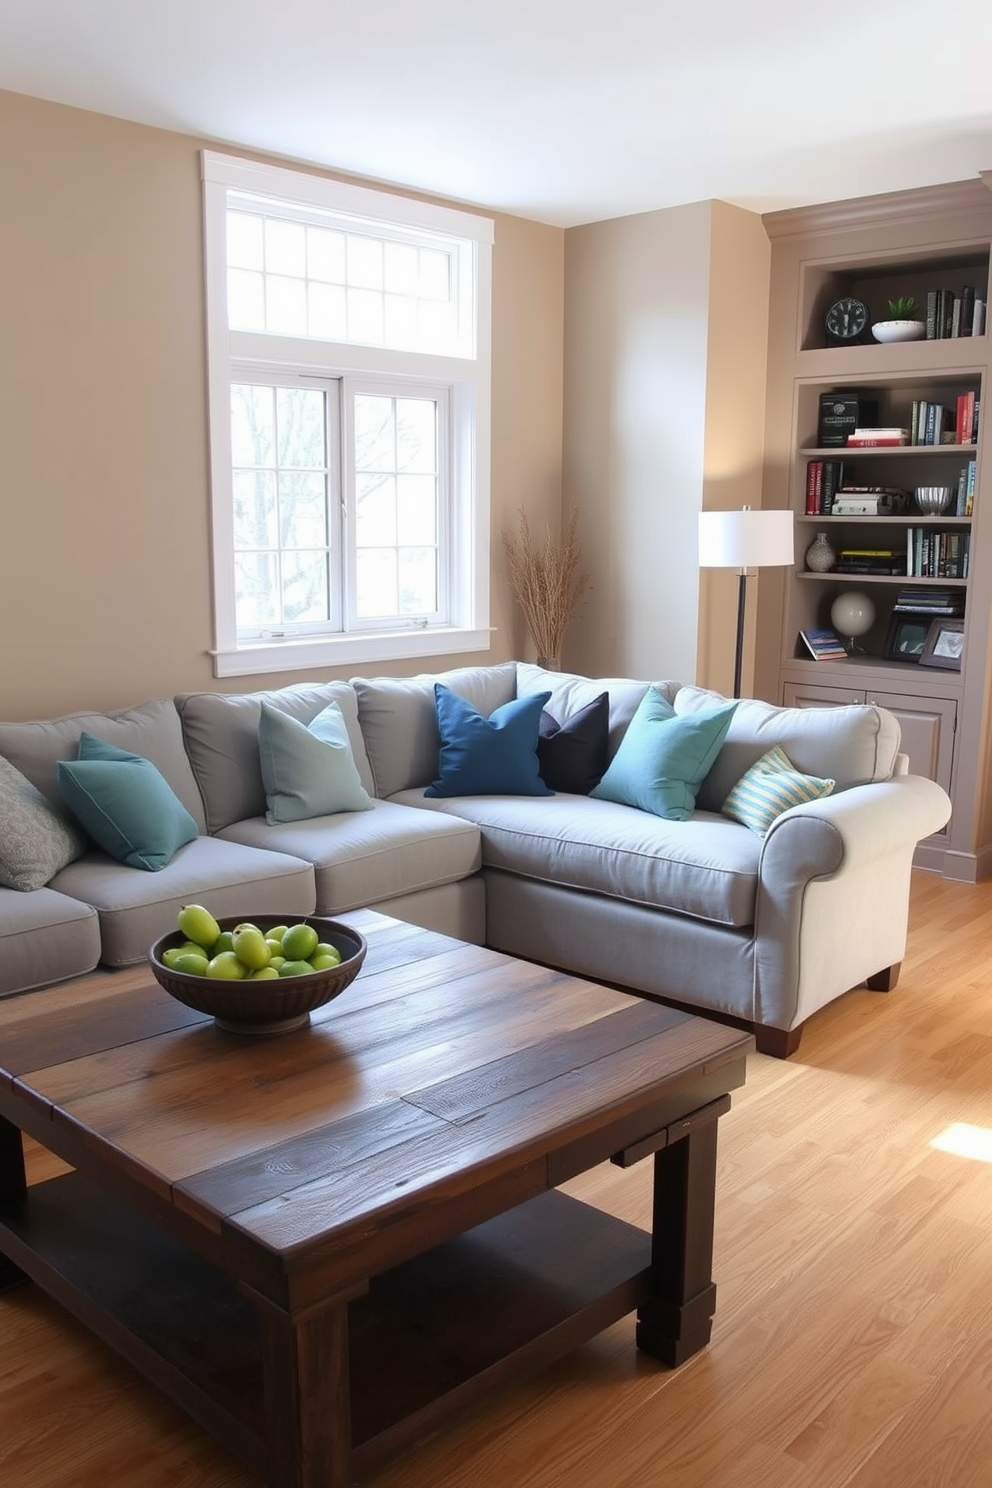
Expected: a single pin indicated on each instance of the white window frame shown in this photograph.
(234, 356)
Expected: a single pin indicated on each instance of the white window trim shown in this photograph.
(470, 383)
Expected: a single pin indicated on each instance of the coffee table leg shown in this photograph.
(675, 1322)
(13, 1186)
(307, 1397)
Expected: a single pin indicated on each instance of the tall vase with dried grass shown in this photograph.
(547, 584)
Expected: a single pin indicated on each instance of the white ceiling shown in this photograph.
(566, 111)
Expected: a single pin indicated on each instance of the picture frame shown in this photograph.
(944, 645)
(907, 637)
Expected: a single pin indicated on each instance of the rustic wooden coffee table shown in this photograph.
(319, 1242)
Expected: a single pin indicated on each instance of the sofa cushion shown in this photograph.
(770, 787)
(371, 856)
(151, 730)
(308, 769)
(399, 719)
(221, 734)
(487, 756)
(44, 937)
(706, 867)
(662, 760)
(36, 840)
(852, 744)
(572, 752)
(570, 692)
(125, 804)
(136, 908)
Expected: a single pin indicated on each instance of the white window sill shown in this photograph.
(349, 650)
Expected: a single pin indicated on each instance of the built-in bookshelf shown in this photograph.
(926, 574)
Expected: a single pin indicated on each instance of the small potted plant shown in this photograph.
(902, 325)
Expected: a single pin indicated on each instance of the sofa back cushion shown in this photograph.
(151, 730)
(851, 744)
(399, 719)
(571, 692)
(221, 734)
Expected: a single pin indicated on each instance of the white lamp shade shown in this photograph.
(746, 539)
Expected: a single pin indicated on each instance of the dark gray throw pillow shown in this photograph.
(572, 755)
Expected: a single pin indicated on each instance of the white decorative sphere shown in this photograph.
(852, 613)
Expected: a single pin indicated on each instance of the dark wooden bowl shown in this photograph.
(266, 1006)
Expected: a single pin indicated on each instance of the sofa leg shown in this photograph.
(778, 1042)
(884, 981)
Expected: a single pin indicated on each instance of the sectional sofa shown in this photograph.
(766, 927)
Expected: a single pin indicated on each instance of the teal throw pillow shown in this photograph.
(308, 769)
(768, 788)
(125, 804)
(494, 756)
(664, 758)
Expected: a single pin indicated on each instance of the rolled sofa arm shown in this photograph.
(832, 903)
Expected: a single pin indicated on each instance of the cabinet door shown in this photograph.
(813, 695)
(928, 726)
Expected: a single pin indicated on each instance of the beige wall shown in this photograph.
(636, 312)
(665, 337)
(105, 598)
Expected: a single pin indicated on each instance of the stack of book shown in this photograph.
(824, 645)
(884, 561)
(955, 314)
(929, 602)
(873, 438)
(868, 501)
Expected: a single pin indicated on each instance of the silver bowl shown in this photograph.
(932, 500)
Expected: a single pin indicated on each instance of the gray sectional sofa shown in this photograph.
(701, 911)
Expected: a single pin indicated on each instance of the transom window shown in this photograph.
(348, 337)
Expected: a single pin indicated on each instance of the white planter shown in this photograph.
(899, 330)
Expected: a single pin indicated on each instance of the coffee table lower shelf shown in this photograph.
(430, 1336)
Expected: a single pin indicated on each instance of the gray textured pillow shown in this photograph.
(35, 839)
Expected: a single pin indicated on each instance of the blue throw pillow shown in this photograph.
(125, 804)
(663, 759)
(494, 756)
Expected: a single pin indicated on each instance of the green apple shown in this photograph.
(324, 963)
(277, 962)
(295, 968)
(251, 947)
(169, 956)
(264, 974)
(245, 925)
(192, 964)
(324, 948)
(198, 924)
(224, 942)
(276, 933)
(299, 942)
(274, 945)
(226, 967)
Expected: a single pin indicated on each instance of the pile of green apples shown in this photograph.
(246, 953)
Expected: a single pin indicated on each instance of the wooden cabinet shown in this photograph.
(881, 248)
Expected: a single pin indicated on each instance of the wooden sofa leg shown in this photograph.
(778, 1042)
(884, 981)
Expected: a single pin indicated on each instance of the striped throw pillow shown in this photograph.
(770, 787)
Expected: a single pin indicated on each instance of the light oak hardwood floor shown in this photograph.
(852, 1346)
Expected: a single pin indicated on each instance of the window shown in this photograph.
(348, 343)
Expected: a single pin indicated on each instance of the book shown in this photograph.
(824, 645)
(833, 474)
(964, 418)
(931, 315)
(814, 487)
(967, 309)
(978, 319)
(862, 440)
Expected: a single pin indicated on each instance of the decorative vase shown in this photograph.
(820, 556)
(550, 663)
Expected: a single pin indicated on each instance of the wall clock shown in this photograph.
(846, 321)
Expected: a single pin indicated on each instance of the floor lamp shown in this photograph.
(742, 540)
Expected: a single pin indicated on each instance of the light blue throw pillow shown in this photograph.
(664, 758)
(771, 786)
(125, 804)
(494, 756)
(308, 769)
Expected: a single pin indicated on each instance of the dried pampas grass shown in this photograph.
(546, 583)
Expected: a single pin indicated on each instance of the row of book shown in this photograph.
(830, 492)
(929, 601)
(950, 314)
(937, 554)
(938, 423)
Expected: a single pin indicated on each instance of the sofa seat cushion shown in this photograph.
(706, 867)
(367, 857)
(135, 908)
(44, 937)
